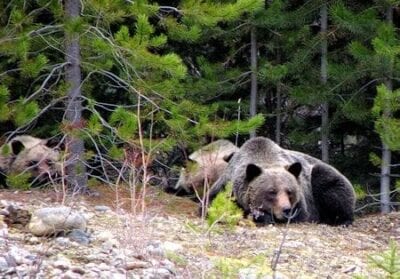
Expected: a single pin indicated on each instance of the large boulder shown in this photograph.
(53, 220)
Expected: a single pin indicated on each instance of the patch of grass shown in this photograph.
(224, 210)
(176, 258)
(19, 181)
(231, 267)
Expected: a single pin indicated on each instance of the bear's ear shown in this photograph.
(252, 171)
(228, 157)
(16, 147)
(295, 169)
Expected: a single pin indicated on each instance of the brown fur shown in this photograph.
(320, 192)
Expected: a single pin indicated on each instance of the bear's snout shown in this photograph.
(282, 207)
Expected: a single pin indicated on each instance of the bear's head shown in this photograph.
(34, 155)
(273, 193)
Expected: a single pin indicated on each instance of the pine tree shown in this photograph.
(377, 63)
(136, 88)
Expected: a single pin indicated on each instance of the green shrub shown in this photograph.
(388, 261)
(223, 209)
(19, 181)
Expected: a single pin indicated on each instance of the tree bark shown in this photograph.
(386, 153)
(324, 79)
(75, 167)
(253, 61)
(278, 113)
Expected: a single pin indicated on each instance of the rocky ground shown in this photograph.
(169, 241)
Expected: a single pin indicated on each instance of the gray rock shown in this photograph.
(155, 249)
(109, 245)
(51, 220)
(104, 236)
(171, 247)
(157, 273)
(101, 208)
(70, 275)
(79, 236)
(62, 241)
(78, 270)
(62, 262)
(248, 273)
(3, 264)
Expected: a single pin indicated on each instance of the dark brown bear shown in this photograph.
(274, 184)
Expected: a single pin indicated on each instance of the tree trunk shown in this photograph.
(324, 79)
(75, 167)
(253, 92)
(386, 153)
(278, 123)
(278, 113)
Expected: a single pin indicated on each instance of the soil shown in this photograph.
(245, 251)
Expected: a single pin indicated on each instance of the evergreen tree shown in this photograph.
(374, 47)
(135, 88)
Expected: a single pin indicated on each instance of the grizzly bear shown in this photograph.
(29, 154)
(205, 165)
(277, 185)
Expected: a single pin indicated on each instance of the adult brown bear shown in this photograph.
(274, 184)
(25, 153)
(205, 165)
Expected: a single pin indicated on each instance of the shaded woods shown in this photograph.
(104, 77)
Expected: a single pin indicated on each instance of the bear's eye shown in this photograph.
(33, 163)
(272, 192)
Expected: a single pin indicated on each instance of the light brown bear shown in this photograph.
(29, 154)
(275, 184)
(205, 166)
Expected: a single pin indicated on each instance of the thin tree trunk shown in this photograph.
(253, 92)
(75, 168)
(278, 123)
(324, 79)
(386, 153)
(278, 113)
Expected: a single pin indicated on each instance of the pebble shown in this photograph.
(102, 208)
(157, 273)
(3, 263)
(79, 236)
(71, 275)
(104, 236)
(62, 241)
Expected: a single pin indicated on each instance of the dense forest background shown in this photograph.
(100, 75)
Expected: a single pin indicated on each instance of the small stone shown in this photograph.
(63, 264)
(78, 269)
(62, 241)
(109, 245)
(3, 264)
(101, 208)
(171, 247)
(79, 236)
(104, 236)
(157, 273)
(136, 264)
(34, 240)
(103, 266)
(70, 275)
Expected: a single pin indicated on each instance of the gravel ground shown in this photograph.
(169, 241)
